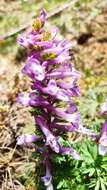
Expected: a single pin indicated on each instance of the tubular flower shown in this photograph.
(102, 137)
(54, 84)
(48, 177)
(103, 140)
(104, 108)
(27, 140)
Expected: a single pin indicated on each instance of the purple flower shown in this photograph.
(51, 140)
(73, 118)
(36, 101)
(64, 56)
(103, 140)
(34, 70)
(104, 108)
(53, 86)
(22, 41)
(30, 40)
(71, 88)
(55, 51)
(85, 131)
(44, 44)
(23, 100)
(47, 179)
(53, 90)
(63, 128)
(70, 151)
(54, 32)
(43, 16)
(63, 74)
(33, 100)
(71, 108)
(27, 140)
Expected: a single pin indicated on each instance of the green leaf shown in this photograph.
(94, 151)
(61, 184)
(92, 170)
(104, 158)
(85, 171)
(92, 183)
(104, 166)
(102, 184)
(97, 185)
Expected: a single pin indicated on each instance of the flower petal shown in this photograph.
(73, 118)
(51, 140)
(23, 100)
(47, 179)
(70, 151)
(34, 70)
(27, 139)
(102, 149)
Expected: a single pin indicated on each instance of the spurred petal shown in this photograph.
(103, 135)
(62, 58)
(59, 74)
(33, 100)
(102, 149)
(52, 87)
(104, 128)
(63, 74)
(86, 131)
(34, 70)
(72, 108)
(74, 118)
(53, 90)
(70, 151)
(26, 139)
(62, 95)
(43, 15)
(64, 128)
(55, 50)
(22, 41)
(37, 101)
(54, 32)
(104, 107)
(44, 44)
(23, 100)
(51, 140)
(47, 179)
(103, 139)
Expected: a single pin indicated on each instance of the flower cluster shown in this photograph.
(53, 88)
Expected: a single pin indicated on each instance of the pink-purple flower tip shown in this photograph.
(27, 139)
(103, 140)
